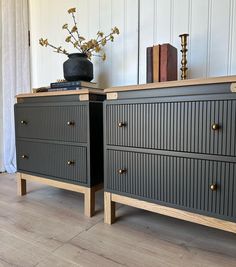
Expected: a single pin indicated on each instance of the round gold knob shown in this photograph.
(215, 126)
(213, 187)
(23, 122)
(122, 171)
(70, 123)
(121, 124)
(70, 162)
(24, 157)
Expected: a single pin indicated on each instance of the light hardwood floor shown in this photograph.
(47, 228)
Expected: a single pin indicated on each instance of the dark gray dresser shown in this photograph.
(171, 148)
(59, 141)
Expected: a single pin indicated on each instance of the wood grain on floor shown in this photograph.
(47, 228)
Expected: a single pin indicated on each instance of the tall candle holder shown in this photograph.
(184, 50)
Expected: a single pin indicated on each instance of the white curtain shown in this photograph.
(15, 71)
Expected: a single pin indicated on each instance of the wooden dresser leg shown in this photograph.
(89, 202)
(21, 185)
(109, 209)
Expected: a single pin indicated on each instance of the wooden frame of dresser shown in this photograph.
(89, 192)
(110, 199)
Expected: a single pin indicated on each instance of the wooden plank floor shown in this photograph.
(47, 228)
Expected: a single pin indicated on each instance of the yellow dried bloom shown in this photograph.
(74, 29)
(41, 42)
(115, 30)
(72, 10)
(65, 26)
(68, 39)
(112, 38)
(104, 57)
(76, 44)
(100, 34)
(81, 38)
(59, 49)
(94, 42)
(97, 49)
(104, 41)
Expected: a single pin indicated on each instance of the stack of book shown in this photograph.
(75, 85)
(162, 63)
(66, 85)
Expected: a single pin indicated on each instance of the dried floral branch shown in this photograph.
(93, 47)
(59, 49)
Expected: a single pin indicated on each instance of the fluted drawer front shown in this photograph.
(59, 161)
(208, 187)
(61, 123)
(206, 127)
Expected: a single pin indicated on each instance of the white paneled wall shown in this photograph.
(47, 17)
(210, 23)
(212, 29)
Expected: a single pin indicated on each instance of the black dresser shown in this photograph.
(59, 141)
(171, 148)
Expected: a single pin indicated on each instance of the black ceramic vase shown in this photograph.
(78, 68)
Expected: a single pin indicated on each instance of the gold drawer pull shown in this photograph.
(70, 123)
(215, 126)
(122, 171)
(70, 162)
(23, 122)
(121, 124)
(24, 157)
(213, 187)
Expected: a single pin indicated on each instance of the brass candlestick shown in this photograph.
(184, 50)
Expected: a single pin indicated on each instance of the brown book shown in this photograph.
(156, 63)
(168, 63)
(149, 68)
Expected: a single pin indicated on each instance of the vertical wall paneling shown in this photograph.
(104, 76)
(118, 49)
(210, 23)
(125, 48)
(163, 21)
(212, 29)
(146, 34)
(93, 17)
(180, 25)
(220, 36)
(131, 42)
(232, 65)
(198, 39)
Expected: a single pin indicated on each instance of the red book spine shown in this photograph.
(168, 63)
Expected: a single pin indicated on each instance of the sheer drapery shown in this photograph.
(15, 70)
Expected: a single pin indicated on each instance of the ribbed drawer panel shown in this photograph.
(183, 182)
(177, 126)
(52, 160)
(52, 123)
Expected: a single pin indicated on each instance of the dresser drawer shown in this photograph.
(61, 123)
(54, 160)
(206, 127)
(204, 186)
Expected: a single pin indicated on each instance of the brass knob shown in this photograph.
(70, 123)
(121, 124)
(122, 171)
(70, 162)
(23, 122)
(24, 157)
(215, 126)
(213, 187)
